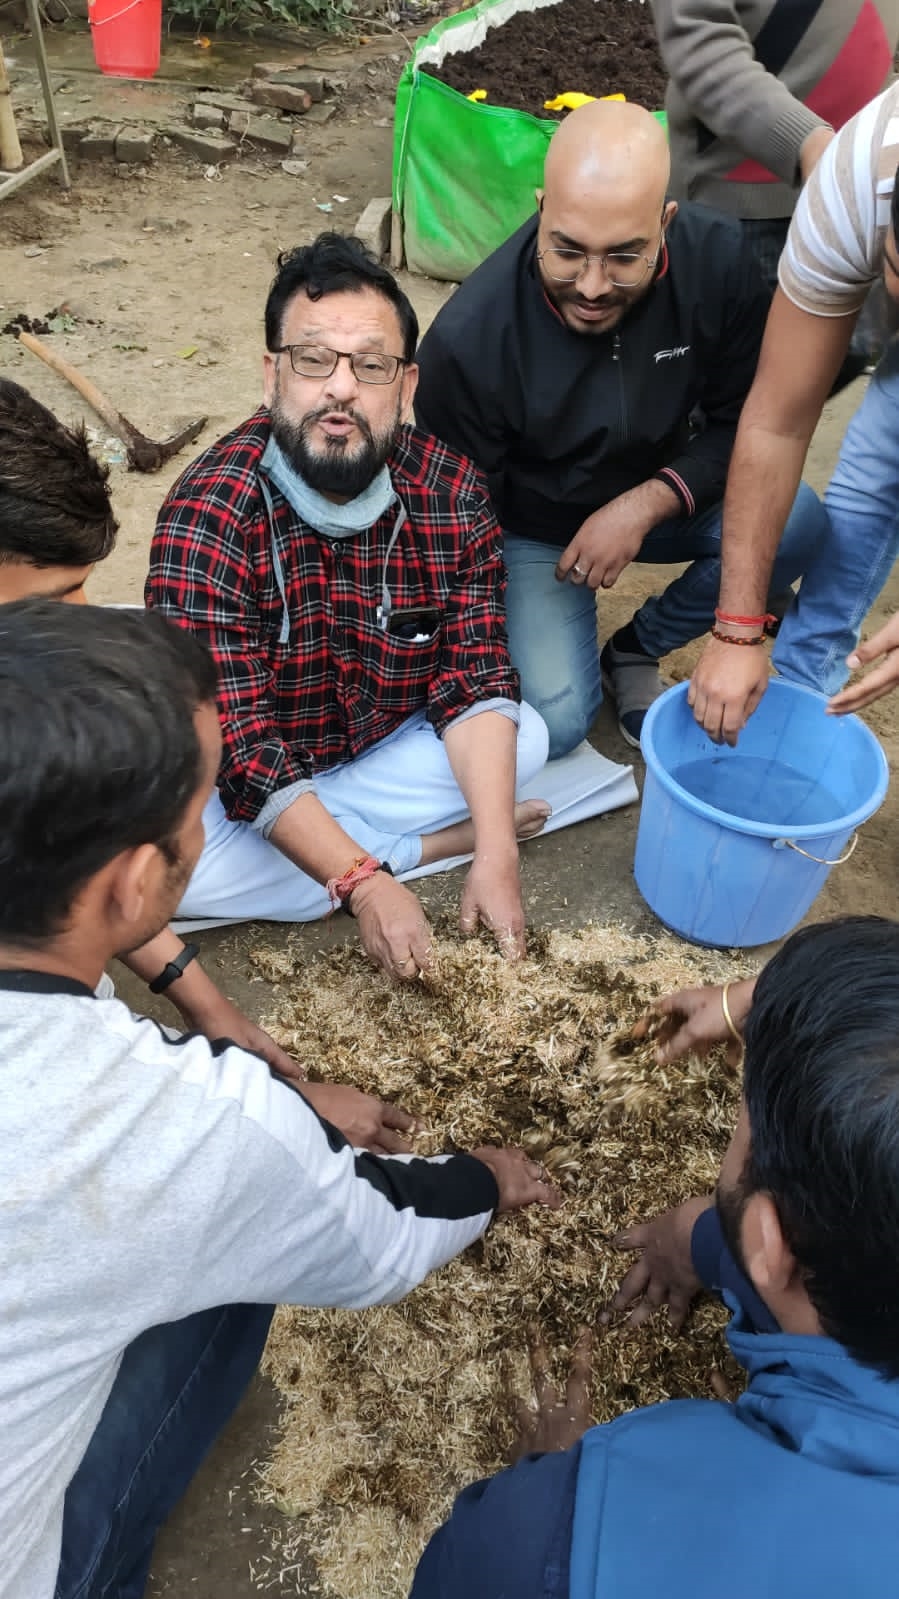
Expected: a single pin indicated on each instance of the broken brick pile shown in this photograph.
(262, 116)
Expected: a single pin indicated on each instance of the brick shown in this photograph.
(134, 144)
(72, 137)
(322, 113)
(207, 116)
(263, 131)
(270, 69)
(312, 82)
(210, 148)
(226, 102)
(373, 227)
(98, 143)
(282, 97)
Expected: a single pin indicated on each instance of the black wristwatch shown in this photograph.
(174, 969)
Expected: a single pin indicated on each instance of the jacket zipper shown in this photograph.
(622, 398)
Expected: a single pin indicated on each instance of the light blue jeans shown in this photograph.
(552, 626)
(850, 569)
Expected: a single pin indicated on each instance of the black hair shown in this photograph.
(821, 1081)
(894, 208)
(54, 496)
(335, 264)
(100, 751)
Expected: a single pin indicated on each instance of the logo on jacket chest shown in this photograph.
(672, 354)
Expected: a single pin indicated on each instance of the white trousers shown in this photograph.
(385, 801)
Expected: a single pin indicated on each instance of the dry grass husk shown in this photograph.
(387, 1414)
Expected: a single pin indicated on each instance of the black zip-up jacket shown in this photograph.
(562, 422)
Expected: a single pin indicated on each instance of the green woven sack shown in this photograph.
(464, 172)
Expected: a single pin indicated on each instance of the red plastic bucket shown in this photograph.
(127, 35)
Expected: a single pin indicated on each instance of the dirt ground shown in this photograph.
(155, 264)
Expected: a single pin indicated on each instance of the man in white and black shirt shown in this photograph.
(160, 1192)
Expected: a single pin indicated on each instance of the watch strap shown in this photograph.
(174, 969)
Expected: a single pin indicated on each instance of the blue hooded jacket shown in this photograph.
(790, 1493)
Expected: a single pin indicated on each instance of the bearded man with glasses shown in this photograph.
(595, 367)
(345, 570)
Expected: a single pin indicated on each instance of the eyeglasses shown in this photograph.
(624, 271)
(317, 361)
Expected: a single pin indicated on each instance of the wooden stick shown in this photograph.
(11, 158)
(144, 455)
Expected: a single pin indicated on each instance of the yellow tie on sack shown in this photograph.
(571, 101)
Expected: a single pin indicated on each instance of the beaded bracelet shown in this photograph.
(728, 638)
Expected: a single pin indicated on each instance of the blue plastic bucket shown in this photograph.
(734, 845)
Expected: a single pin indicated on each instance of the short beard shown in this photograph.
(337, 469)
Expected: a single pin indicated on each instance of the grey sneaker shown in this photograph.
(633, 682)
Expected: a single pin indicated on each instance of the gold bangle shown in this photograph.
(732, 1027)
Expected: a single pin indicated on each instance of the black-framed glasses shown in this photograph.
(623, 270)
(317, 361)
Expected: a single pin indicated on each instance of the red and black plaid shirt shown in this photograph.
(337, 683)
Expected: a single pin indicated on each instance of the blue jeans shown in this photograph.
(174, 1391)
(553, 629)
(851, 568)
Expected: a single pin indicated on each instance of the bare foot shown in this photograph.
(458, 839)
(531, 816)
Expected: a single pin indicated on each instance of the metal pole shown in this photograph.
(34, 17)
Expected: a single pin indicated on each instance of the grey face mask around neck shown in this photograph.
(332, 521)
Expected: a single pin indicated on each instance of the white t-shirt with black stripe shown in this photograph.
(146, 1176)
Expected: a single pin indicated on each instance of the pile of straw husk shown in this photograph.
(388, 1413)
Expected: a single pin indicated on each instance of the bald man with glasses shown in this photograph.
(595, 367)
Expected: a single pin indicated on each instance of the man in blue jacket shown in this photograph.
(793, 1490)
(594, 368)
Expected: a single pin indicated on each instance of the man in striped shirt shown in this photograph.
(842, 240)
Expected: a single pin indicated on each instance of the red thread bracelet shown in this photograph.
(743, 621)
(340, 888)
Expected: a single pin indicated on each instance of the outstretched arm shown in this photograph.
(481, 751)
(801, 355)
(202, 1005)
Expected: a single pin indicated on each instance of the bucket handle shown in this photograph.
(788, 843)
(100, 21)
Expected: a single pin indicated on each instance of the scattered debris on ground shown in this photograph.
(259, 116)
(59, 320)
(583, 46)
(389, 1413)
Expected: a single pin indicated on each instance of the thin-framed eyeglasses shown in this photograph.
(318, 361)
(623, 270)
